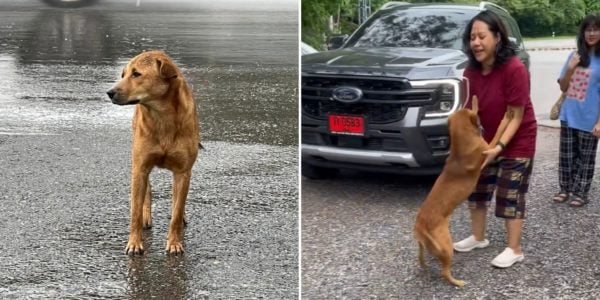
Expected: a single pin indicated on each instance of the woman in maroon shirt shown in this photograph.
(501, 83)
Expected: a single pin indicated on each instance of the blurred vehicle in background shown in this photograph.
(69, 3)
(306, 49)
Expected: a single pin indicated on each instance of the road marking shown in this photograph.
(26, 133)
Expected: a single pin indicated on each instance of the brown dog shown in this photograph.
(456, 182)
(165, 135)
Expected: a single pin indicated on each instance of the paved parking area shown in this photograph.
(357, 241)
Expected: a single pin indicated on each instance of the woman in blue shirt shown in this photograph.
(579, 115)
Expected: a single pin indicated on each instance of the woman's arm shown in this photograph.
(515, 116)
(564, 81)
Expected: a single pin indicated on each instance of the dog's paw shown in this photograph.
(147, 217)
(134, 248)
(459, 283)
(147, 223)
(174, 248)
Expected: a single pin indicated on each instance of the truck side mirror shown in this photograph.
(513, 43)
(336, 42)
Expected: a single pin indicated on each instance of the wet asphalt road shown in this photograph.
(65, 150)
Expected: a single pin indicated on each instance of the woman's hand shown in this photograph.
(565, 80)
(574, 61)
(596, 130)
(490, 155)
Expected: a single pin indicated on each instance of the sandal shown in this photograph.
(560, 197)
(578, 202)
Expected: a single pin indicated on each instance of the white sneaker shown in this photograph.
(470, 243)
(507, 258)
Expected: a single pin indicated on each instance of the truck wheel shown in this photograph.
(314, 172)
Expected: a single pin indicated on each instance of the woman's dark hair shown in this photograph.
(504, 50)
(591, 20)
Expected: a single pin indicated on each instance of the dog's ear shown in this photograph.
(474, 104)
(166, 69)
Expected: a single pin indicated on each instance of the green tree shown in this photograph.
(573, 12)
(316, 15)
(315, 19)
(543, 17)
(592, 6)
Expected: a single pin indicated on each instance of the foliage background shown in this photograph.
(536, 18)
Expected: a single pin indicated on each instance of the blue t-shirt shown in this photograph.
(581, 107)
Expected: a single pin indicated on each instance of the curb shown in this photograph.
(545, 122)
(551, 48)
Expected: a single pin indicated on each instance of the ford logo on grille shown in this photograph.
(347, 94)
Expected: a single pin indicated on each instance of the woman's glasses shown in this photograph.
(592, 30)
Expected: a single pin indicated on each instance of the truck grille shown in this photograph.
(384, 100)
(375, 113)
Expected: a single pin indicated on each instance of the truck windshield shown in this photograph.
(430, 28)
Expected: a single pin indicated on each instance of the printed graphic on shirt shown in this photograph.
(579, 84)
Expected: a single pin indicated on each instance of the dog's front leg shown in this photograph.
(148, 207)
(181, 186)
(139, 184)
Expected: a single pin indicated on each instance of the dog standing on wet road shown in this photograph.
(165, 135)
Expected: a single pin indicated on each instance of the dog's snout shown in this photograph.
(111, 93)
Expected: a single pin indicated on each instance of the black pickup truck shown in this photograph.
(379, 101)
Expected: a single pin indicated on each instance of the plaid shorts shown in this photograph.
(509, 178)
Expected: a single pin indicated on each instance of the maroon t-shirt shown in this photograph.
(505, 85)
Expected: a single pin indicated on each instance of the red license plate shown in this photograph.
(352, 125)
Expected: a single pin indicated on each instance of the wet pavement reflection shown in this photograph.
(242, 64)
(64, 188)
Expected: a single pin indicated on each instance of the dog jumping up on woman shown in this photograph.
(456, 182)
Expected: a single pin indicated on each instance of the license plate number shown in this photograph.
(351, 125)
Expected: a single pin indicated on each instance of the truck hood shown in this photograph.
(411, 63)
